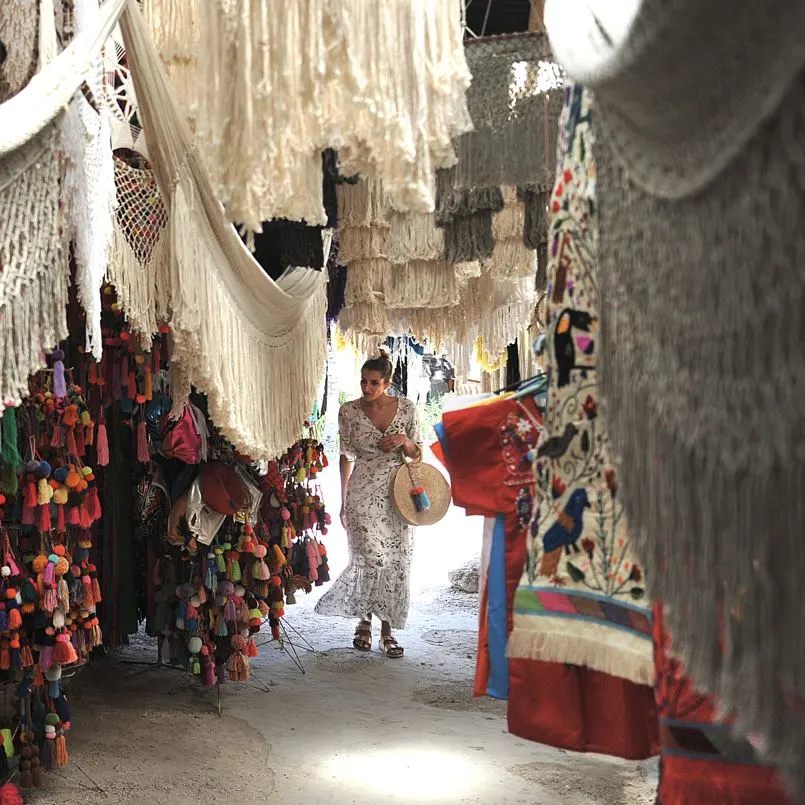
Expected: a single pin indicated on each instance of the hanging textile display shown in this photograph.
(465, 217)
(89, 182)
(582, 605)
(694, 326)
(33, 247)
(19, 30)
(239, 548)
(231, 325)
(487, 449)
(514, 102)
(262, 149)
(49, 622)
(447, 303)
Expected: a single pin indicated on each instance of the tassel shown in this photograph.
(45, 523)
(102, 447)
(143, 455)
(60, 524)
(10, 454)
(251, 649)
(49, 748)
(59, 385)
(156, 358)
(72, 447)
(93, 373)
(62, 758)
(89, 436)
(25, 768)
(14, 619)
(96, 587)
(81, 447)
(57, 440)
(36, 768)
(132, 386)
(149, 384)
(5, 655)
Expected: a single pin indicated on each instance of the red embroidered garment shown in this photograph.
(703, 761)
(489, 454)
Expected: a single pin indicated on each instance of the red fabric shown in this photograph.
(582, 710)
(181, 439)
(704, 780)
(490, 467)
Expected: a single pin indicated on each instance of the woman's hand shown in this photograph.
(388, 444)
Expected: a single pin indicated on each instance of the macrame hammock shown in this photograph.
(253, 346)
(276, 83)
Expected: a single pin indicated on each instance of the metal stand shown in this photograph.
(286, 643)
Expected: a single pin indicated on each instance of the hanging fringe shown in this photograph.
(384, 81)
(586, 645)
(35, 273)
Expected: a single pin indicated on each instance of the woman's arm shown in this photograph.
(346, 466)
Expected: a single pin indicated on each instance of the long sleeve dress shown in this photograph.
(381, 544)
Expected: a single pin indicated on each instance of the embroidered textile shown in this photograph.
(583, 598)
(487, 451)
(701, 189)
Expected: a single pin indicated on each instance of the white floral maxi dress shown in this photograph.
(381, 544)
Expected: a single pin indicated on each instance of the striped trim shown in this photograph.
(717, 743)
(583, 606)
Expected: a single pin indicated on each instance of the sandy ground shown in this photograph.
(353, 729)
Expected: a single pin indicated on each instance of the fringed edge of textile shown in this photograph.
(683, 503)
(33, 322)
(587, 644)
(136, 284)
(259, 417)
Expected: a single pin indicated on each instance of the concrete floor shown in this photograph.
(354, 729)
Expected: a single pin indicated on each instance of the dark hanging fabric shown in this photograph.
(120, 618)
(323, 406)
(535, 228)
(336, 283)
(512, 365)
(283, 244)
(466, 218)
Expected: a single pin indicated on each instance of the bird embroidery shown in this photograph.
(556, 446)
(564, 347)
(564, 533)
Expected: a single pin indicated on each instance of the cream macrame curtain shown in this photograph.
(384, 82)
(399, 282)
(255, 347)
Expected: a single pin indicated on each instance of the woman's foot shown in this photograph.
(362, 641)
(389, 646)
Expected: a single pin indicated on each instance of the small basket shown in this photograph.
(415, 475)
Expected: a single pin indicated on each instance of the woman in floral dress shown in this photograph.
(374, 430)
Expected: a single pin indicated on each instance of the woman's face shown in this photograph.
(372, 385)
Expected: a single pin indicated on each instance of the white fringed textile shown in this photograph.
(384, 82)
(255, 347)
(34, 275)
(89, 184)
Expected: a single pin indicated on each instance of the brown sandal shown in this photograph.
(390, 647)
(362, 641)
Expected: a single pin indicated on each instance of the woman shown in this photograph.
(374, 431)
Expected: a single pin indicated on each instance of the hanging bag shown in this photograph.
(419, 492)
(185, 437)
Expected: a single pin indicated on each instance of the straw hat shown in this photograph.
(418, 473)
